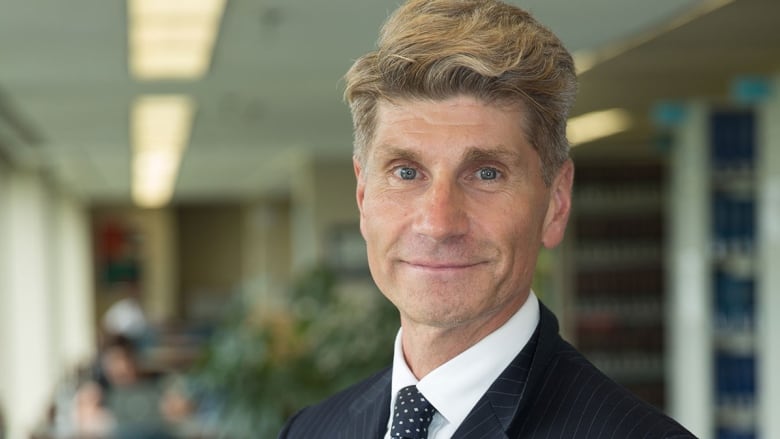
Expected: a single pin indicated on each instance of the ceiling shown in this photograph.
(272, 98)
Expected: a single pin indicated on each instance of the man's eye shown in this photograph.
(488, 173)
(407, 173)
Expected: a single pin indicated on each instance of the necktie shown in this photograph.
(412, 414)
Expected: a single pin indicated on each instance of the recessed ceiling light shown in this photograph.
(160, 130)
(597, 124)
(172, 39)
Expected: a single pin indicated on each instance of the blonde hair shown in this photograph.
(497, 53)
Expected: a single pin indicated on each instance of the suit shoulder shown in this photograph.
(575, 399)
(337, 412)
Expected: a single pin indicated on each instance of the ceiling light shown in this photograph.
(175, 7)
(598, 124)
(172, 39)
(160, 129)
(154, 174)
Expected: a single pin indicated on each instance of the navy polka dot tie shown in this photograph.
(412, 414)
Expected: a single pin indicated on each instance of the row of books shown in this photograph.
(734, 223)
(625, 226)
(735, 376)
(606, 254)
(592, 333)
(732, 135)
(737, 419)
(646, 281)
(734, 300)
(732, 141)
(633, 308)
(629, 366)
(731, 433)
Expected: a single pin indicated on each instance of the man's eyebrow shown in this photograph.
(498, 153)
(474, 154)
(390, 152)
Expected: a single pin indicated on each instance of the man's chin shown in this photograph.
(437, 315)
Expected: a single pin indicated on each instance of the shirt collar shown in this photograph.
(456, 386)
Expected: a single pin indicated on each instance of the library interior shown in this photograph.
(180, 253)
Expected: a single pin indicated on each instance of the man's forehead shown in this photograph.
(397, 117)
(459, 110)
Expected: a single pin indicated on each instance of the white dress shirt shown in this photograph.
(455, 387)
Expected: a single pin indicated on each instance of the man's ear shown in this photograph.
(559, 206)
(361, 185)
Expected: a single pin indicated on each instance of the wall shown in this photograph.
(155, 230)
(322, 198)
(210, 247)
(288, 234)
(335, 203)
(267, 258)
(195, 256)
(258, 247)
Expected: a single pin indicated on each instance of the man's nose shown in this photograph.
(441, 211)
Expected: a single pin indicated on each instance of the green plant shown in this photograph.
(264, 362)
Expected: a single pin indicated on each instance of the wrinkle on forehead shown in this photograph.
(440, 106)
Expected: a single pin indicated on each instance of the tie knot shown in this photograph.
(412, 414)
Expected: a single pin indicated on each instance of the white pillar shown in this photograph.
(768, 281)
(689, 347)
(160, 298)
(29, 355)
(5, 289)
(76, 337)
(305, 240)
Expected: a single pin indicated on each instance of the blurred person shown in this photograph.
(126, 317)
(463, 174)
(180, 409)
(90, 416)
(131, 397)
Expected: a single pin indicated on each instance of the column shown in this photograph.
(28, 353)
(73, 283)
(768, 281)
(689, 351)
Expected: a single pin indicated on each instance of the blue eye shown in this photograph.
(407, 173)
(488, 173)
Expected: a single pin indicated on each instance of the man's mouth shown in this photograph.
(441, 265)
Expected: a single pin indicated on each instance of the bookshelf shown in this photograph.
(732, 151)
(722, 255)
(617, 307)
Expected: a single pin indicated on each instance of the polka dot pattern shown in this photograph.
(412, 414)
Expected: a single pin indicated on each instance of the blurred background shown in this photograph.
(179, 249)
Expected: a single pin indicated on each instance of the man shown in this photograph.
(463, 174)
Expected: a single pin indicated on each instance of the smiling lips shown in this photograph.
(440, 266)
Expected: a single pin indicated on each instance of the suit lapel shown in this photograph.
(493, 414)
(547, 341)
(370, 412)
(498, 413)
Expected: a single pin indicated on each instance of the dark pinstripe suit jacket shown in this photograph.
(548, 391)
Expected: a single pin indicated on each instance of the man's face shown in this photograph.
(454, 210)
